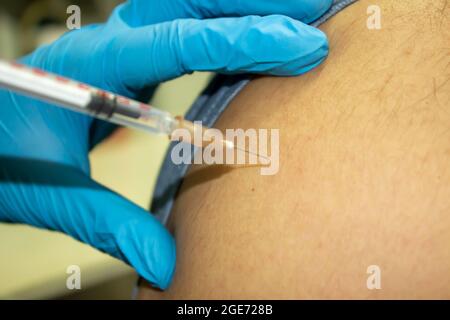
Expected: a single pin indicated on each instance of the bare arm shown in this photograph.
(364, 173)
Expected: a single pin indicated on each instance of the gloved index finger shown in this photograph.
(276, 45)
(146, 12)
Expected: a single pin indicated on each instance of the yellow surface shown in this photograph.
(34, 262)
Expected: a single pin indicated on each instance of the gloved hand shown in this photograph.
(44, 166)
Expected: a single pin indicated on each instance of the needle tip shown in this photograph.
(266, 159)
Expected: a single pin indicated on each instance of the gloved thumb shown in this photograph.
(62, 198)
(276, 45)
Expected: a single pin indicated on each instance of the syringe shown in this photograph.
(98, 103)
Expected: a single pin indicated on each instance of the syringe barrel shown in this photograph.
(130, 113)
(82, 98)
(37, 84)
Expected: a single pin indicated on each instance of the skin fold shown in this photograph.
(364, 174)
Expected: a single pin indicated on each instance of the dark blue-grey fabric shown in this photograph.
(208, 108)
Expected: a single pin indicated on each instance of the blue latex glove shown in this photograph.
(44, 165)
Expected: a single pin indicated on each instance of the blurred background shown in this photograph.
(33, 262)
